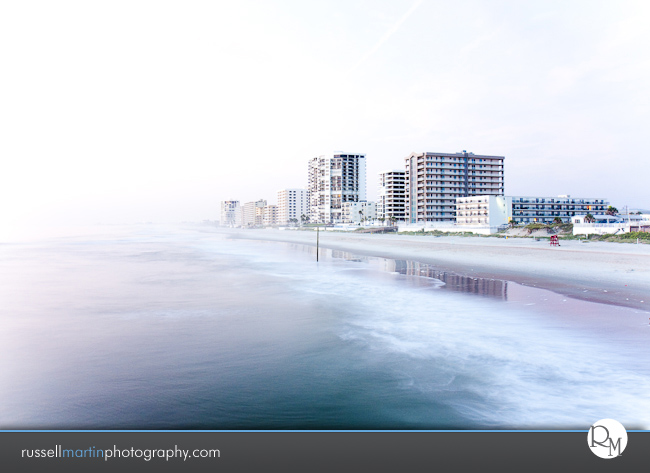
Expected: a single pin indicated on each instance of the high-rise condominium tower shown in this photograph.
(333, 179)
(292, 204)
(391, 196)
(435, 180)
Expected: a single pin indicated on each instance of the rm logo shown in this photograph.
(607, 438)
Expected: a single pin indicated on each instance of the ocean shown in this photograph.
(160, 327)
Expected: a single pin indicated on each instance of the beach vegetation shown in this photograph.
(639, 235)
(631, 237)
(438, 233)
(536, 230)
(535, 226)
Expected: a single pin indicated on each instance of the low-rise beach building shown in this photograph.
(359, 212)
(609, 224)
(493, 212)
(546, 209)
(483, 213)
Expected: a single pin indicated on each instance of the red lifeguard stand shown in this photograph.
(555, 241)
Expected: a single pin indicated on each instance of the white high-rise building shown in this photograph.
(391, 200)
(334, 179)
(253, 213)
(231, 213)
(292, 204)
(435, 180)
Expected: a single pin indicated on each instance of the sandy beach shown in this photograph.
(611, 273)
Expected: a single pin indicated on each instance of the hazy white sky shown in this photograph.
(128, 111)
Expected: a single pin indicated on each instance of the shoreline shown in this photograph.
(595, 272)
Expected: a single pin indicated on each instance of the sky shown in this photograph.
(132, 111)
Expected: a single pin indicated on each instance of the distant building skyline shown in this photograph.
(445, 188)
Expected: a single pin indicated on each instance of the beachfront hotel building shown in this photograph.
(435, 180)
(292, 204)
(546, 209)
(334, 179)
(355, 212)
(253, 213)
(391, 195)
(231, 213)
(491, 211)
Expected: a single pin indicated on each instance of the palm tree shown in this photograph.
(589, 218)
(557, 220)
(611, 210)
(304, 218)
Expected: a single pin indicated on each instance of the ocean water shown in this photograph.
(146, 327)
